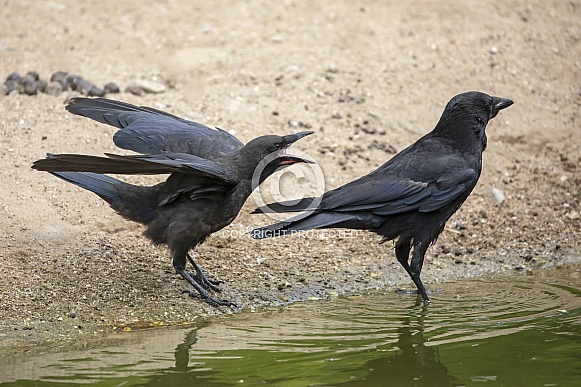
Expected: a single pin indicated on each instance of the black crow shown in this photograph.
(412, 195)
(210, 176)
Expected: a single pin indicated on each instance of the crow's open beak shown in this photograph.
(499, 104)
(287, 159)
(292, 138)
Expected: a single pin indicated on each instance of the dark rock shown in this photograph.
(33, 75)
(134, 89)
(30, 88)
(94, 91)
(54, 88)
(112, 88)
(11, 85)
(13, 77)
(72, 82)
(60, 77)
(41, 85)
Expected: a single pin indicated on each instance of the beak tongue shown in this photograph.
(286, 159)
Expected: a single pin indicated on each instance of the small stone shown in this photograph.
(13, 77)
(33, 75)
(84, 87)
(11, 85)
(72, 82)
(332, 68)
(60, 77)
(112, 88)
(30, 88)
(94, 91)
(149, 86)
(53, 88)
(41, 85)
(134, 89)
(498, 195)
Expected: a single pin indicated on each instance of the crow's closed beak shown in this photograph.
(499, 104)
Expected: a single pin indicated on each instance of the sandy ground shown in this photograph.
(369, 78)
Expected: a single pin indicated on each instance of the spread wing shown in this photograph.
(150, 131)
(141, 164)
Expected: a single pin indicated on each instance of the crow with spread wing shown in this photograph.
(210, 177)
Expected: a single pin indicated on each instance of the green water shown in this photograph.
(512, 331)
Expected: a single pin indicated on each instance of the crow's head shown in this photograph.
(270, 153)
(467, 114)
(480, 104)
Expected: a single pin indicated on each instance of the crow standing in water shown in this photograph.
(210, 176)
(412, 196)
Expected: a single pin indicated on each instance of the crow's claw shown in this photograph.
(201, 278)
(210, 300)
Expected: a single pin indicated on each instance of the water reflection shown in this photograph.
(422, 363)
(516, 331)
(409, 353)
(182, 353)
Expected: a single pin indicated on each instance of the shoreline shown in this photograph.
(65, 333)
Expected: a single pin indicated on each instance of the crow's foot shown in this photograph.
(201, 278)
(201, 292)
(210, 300)
(409, 292)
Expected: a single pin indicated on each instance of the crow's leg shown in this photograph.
(402, 253)
(420, 249)
(179, 263)
(202, 279)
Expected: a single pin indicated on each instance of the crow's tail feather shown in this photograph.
(102, 185)
(310, 222)
(289, 206)
(123, 197)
